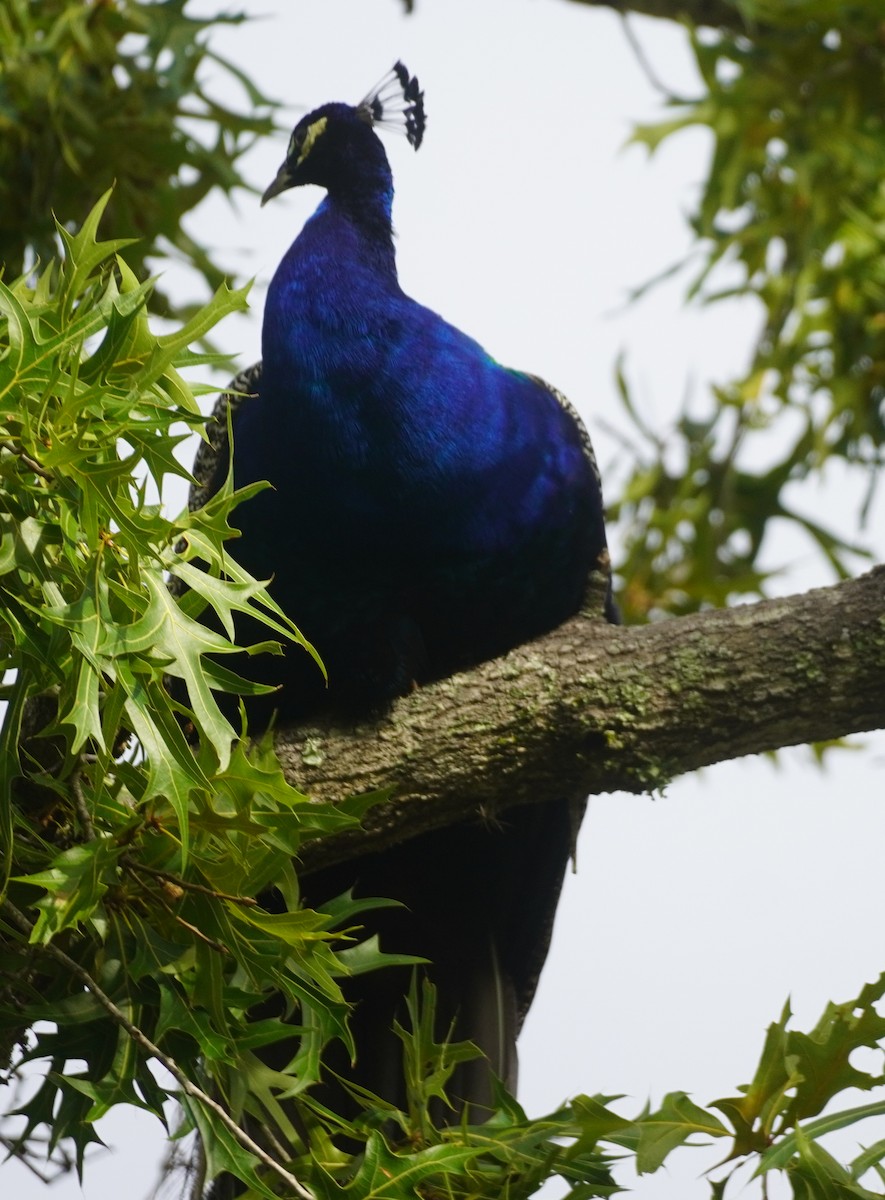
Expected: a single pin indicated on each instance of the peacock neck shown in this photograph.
(332, 288)
(364, 197)
(354, 229)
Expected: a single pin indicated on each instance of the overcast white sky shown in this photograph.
(694, 915)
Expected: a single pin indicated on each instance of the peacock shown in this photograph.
(430, 509)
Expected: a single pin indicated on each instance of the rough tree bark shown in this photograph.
(593, 708)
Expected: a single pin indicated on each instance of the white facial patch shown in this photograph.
(313, 132)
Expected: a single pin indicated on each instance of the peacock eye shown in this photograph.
(295, 143)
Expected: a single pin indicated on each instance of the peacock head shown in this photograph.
(332, 141)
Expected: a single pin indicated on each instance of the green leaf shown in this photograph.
(74, 885)
(782, 1152)
(677, 1120)
(223, 1152)
(818, 1176)
(384, 1173)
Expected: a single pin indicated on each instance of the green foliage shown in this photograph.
(112, 91)
(136, 825)
(774, 1125)
(792, 215)
(140, 865)
(799, 1076)
(407, 1154)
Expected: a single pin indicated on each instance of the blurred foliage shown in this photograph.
(108, 92)
(792, 215)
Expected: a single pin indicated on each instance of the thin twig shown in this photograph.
(189, 887)
(198, 933)
(182, 1172)
(15, 1149)
(199, 1170)
(141, 1039)
(643, 60)
(29, 462)
(80, 801)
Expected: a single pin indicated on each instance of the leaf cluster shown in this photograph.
(791, 215)
(793, 1101)
(797, 1097)
(135, 828)
(803, 1090)
(117, 92)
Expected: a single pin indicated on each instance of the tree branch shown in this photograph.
(593, 708)
(717, 13)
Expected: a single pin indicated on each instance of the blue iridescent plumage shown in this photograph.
(430, 509)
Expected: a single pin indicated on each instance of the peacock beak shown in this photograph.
(282, 182)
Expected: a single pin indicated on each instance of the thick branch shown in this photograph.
(593, 708)
(719, 13)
